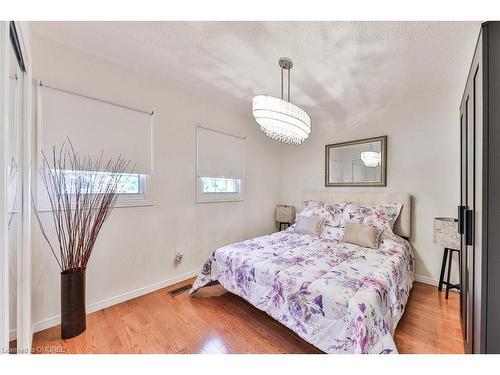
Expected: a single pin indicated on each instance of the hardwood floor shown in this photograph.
(430, 324)
(159, 323)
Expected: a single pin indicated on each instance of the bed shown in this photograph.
(340, 297)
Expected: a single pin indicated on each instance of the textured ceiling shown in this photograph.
(343, 71)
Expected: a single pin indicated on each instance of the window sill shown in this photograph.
(135, 203)
(221, 201)
(119, 204)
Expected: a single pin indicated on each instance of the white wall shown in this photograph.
(423, 160)
(136, 246)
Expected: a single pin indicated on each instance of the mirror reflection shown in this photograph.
(356, 163)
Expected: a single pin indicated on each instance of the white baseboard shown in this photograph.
(426, 280)
(55, 320)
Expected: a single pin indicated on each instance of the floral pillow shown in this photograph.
(336, 211)
(381, 216)
(331, 212)
(332, 234)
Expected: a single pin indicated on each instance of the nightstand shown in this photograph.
(446, 235)
(285, 215)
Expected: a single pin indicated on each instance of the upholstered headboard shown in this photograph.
(402, 227)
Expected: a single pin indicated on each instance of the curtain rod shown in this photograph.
(221, 132)
(40, 83)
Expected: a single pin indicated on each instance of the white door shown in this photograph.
(15, 301)
(4, 237)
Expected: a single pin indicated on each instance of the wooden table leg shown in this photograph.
(443, 266)
(449, 274)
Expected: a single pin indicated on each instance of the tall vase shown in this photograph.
(73, 318)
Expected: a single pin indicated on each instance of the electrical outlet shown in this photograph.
(178, 255)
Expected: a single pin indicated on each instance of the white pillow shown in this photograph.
(309, 225)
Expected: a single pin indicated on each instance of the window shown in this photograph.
(93, 181)
(220, 162)
(133, 188)
(215, 185)
(97, 129)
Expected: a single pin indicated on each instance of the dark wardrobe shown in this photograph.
(479, 210)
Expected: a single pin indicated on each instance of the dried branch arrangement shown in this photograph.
(82, 193)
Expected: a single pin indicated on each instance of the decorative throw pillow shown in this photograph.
(309, 225)
(331, 212)
(381, 216)
(362, 235)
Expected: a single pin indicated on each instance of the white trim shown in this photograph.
(426, 280)
(24, 323)
(4, 136)
(217, 197)
(55, 320)
(430, 281)
(133, 200)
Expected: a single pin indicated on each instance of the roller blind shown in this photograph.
(95, 126)
(220, 154)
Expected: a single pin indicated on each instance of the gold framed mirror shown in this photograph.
(357, 163)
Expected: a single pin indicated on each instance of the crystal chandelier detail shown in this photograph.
(371, 158)
(280, 119)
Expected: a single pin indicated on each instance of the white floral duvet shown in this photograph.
(342, 298)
